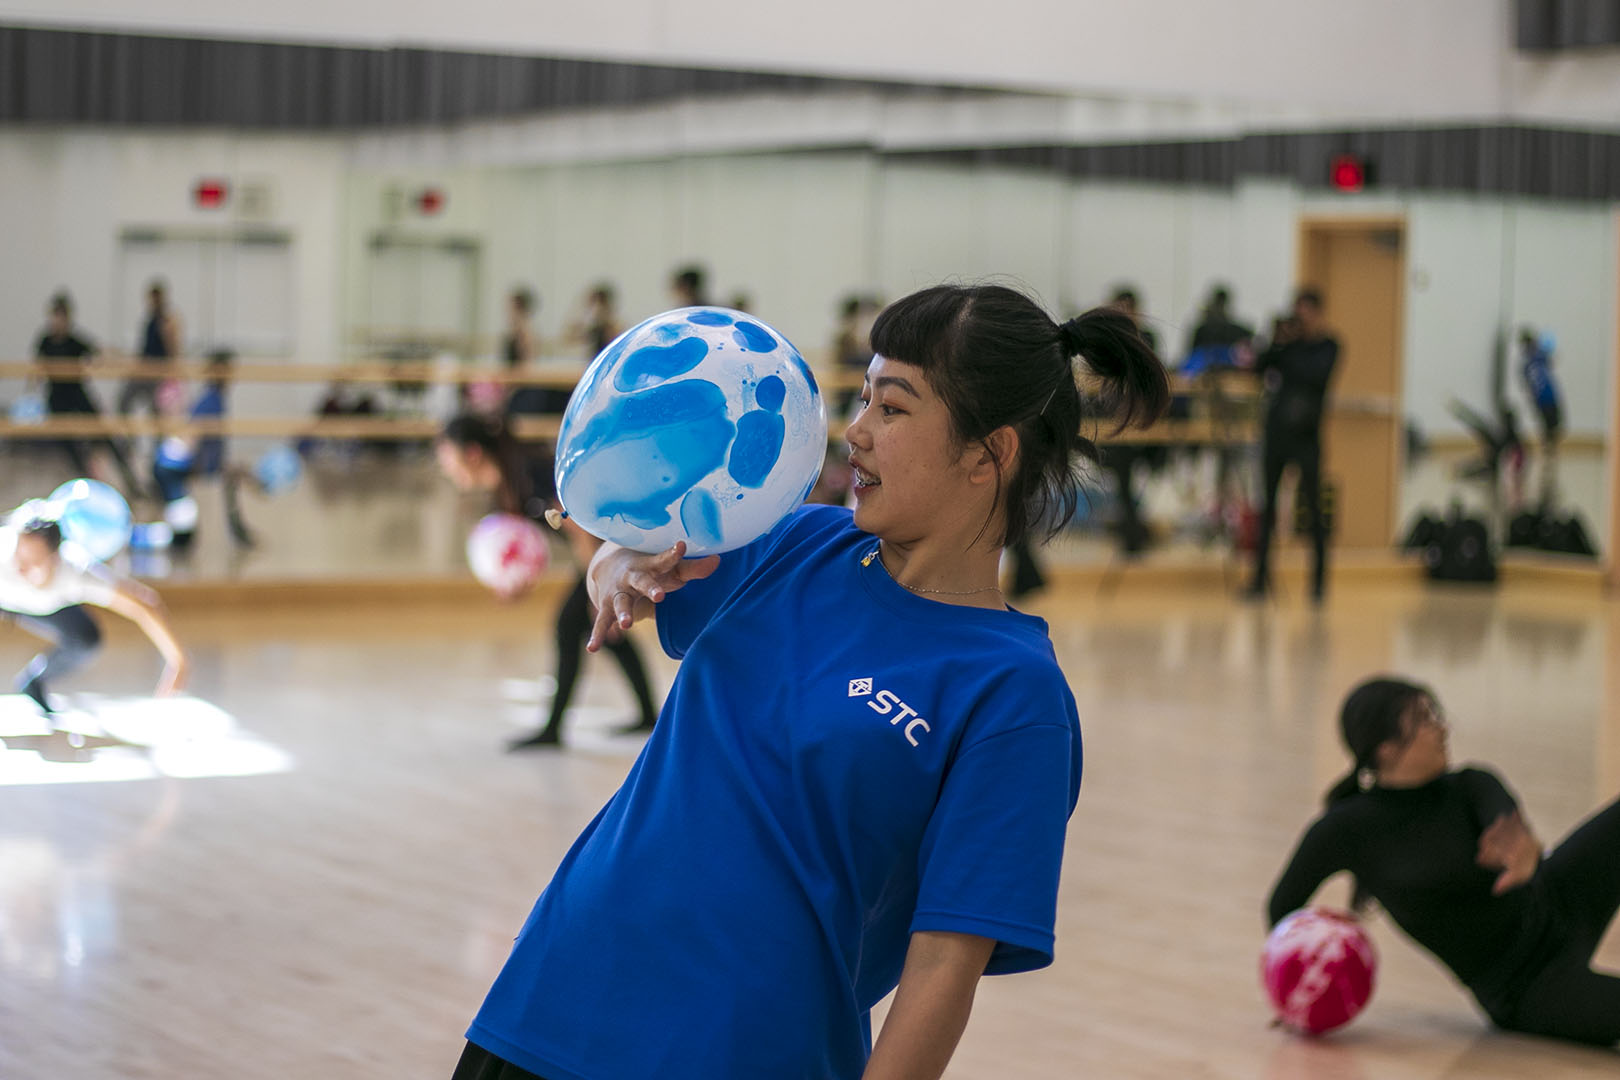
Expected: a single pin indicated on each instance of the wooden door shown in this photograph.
(1359, 267)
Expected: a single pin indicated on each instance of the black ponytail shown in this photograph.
(494, 440)
(1370, 717)
(1135, 386)
(997, 360)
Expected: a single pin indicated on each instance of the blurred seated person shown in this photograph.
(1217, 328)
(688, 286)
(1132, 530)
(852, 345)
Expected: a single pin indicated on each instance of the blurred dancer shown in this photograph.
(478, 454)
(61, 343)
(1297, 369)
(45, 591)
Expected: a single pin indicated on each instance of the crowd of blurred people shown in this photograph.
(1294, 362)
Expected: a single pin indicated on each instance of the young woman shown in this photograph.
(46, 593)
(178, 460)
(1450, 856)
(1297, 369)
(61, 344)
(597, 323)
(478, 454)
(863, 774)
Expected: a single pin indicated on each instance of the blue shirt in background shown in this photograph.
(840, 762)
(1538, 378)
(210, 405)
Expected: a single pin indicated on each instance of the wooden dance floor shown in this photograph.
(316, 867)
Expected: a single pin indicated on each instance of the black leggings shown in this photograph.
(73, 400)
(573, 629)
(1283, 449)
(1566, 999)
(76, 638)
(479, 1064)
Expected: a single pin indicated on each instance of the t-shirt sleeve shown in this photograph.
(992, 852)
(1487, 795)
(684, 613)
(1318, 857)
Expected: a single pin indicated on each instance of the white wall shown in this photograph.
(1386, 57)
(799, 230)
(70, 195)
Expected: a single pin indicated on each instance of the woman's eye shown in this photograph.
(890, 410)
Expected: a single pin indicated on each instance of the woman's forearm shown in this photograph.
(931, 1006)
(152, 622)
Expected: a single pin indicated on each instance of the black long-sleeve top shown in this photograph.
(1304, 368)
(1414, 850)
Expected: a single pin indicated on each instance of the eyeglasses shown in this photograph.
(1432, 715)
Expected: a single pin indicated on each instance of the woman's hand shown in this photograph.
(624, 585)
(141, 606)
(173, 679)
(1508, 845)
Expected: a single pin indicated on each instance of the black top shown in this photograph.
(1303, 370)
(1217, 331)
(153, 347)
(1413, 850)
(69, 346)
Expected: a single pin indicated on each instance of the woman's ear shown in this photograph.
(1388, 751)
(998, 452)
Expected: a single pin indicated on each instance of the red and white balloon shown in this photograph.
(507, 552)
(1318, 968)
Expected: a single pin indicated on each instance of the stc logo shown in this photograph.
(884, 702)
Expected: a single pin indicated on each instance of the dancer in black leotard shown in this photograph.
(1451, 858)
(478, 454)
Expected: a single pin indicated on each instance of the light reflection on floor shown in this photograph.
(102, 738)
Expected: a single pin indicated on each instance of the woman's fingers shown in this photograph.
(669, 559)
(633, 578)
(601, 628)
(624, 609)
(648, 583)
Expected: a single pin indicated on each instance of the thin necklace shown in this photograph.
(877, 553)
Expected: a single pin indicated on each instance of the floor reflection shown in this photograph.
(98, 738)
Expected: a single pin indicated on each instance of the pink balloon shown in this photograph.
(486, 396)
(1318, 968)
(170, 397)
(507, 552)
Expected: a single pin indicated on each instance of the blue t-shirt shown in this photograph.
(840, 762)
(1538, 378)
(210, 405)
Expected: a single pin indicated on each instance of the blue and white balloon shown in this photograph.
(29, 409)
(701, 424)
(93, 516)
(279, 469)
